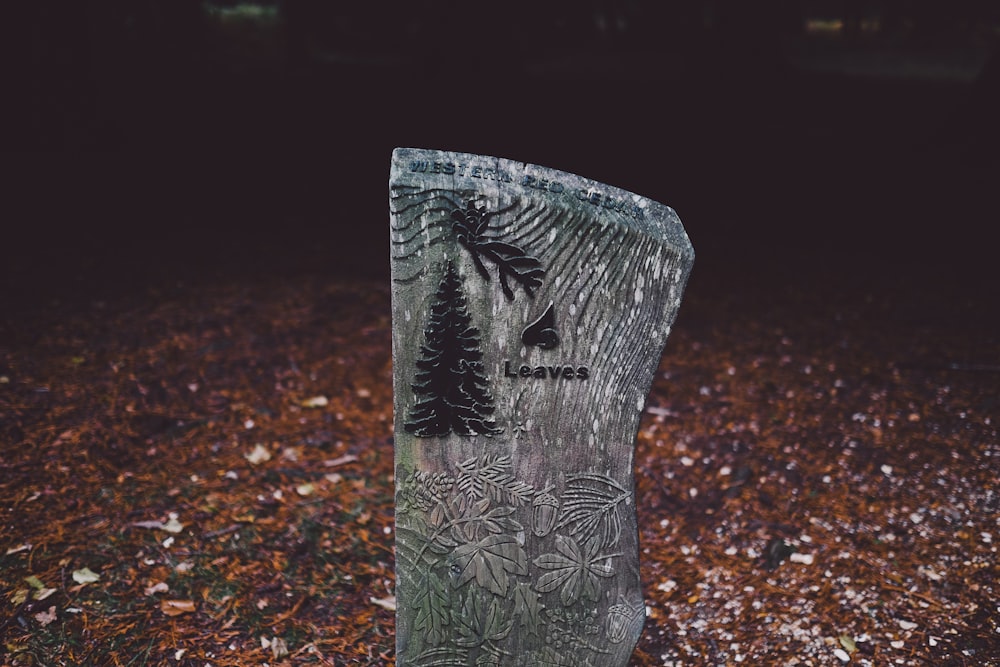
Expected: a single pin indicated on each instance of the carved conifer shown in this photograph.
(450, 381)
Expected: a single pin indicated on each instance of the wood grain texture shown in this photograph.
(530, 309)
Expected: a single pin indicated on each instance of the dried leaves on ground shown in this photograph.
(205, 477)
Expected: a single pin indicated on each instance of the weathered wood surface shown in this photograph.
(530, 309)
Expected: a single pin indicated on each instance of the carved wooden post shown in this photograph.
(530, 308)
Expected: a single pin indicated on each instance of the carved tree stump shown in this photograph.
(530, 308)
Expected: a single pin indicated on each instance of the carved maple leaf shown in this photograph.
(481, 621)
(489, 561)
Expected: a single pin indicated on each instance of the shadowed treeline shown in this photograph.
(252, 136)
(77, 69)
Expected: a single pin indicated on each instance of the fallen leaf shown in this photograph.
(34, 581)
(173, 525)
(386, 603)
(177, 607)
(340, 460)
(315, 402)
(848, 643)
(279, 649)
(804, 559)
(305, 489)
(159, 587)
(46, 617)
(43, 593)
(19, 596)
(153, 525)
(18, 549)
(85, 576)
(258, 455)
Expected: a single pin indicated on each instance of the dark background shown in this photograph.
(166, 142)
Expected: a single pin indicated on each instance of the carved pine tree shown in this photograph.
(451, 383)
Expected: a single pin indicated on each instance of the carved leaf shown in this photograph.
(481, 621)
(442, 543)
(431, 603)
(528, 608)
(590, 508)
(498, 520)
(412, 545)
(573, 570)
(489, 561)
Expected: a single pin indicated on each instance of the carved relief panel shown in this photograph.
(530, 307)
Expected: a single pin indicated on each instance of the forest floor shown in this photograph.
(202, 475)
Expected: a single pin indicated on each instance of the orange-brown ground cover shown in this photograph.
(204, 477)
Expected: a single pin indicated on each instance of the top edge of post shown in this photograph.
(458, 170)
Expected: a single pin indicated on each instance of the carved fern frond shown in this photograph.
(490, 477)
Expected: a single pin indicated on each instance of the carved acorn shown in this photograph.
(621, 618)
(544, 510)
